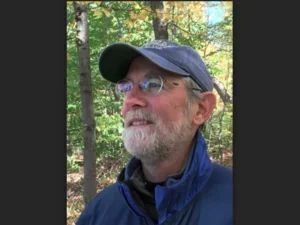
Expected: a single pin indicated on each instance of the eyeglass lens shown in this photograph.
(150, 83)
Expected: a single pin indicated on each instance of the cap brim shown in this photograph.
(115, 60)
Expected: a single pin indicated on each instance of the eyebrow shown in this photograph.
(150, 72)
(163, 77)
(156, 72)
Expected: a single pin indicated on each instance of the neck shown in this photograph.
(160, 171)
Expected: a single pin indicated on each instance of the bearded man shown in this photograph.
(167, 96)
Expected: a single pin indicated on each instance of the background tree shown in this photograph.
(159, 26)
(85, 84)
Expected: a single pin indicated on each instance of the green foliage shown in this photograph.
(131, 22)
(72, 166)
(108, 139)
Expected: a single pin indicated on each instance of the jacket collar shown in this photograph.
(177, 193)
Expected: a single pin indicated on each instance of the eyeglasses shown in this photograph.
(152, 84)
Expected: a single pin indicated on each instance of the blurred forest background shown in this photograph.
(95, 152)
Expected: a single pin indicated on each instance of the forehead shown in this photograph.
(140, 66)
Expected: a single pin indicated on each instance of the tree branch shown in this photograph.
(195, 35)
(175, 25)
(219, 50)
(220, 131)
(221, 91)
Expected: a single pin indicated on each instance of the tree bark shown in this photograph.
(160, 28)
(221, 91)
(89, 151)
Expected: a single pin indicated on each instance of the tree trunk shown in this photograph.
(160, 28)
(221, 91)
(89, 152)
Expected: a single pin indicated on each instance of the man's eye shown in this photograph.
(149, 85)
(124, 87)
(152, 85)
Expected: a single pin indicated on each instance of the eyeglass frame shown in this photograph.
(140, 86)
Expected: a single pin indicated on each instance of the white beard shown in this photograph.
(154, 146)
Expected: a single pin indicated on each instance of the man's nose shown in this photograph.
(135, 98)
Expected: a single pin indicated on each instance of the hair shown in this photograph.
(192, 95)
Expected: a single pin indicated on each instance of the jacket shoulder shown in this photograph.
(98, 204)
(216, 197)
(213, 205)
(221, 175)
(220, 184)
(109, 207)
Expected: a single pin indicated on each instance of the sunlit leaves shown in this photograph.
(133, 15)
(126, 22)
(179, 4)
(98, 12)
(137, 6)
(159, 14)
(106, 12)
(143, 15)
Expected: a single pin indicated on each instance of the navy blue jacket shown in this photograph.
(203, 195)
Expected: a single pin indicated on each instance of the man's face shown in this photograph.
(155, 124)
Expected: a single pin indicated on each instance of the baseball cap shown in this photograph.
(183, 60)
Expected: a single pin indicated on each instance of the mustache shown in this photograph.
(140, 114)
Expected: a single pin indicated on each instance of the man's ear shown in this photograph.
(204, 108)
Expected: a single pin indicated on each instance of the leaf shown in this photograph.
(131, 24)
(176, 19)
(132, 15)
(179, 5)
(126, 21)
(107, 13)
(159, 14)
(194, 9)
(165, 20)
(167, 16)
(143, 15)
(70, 106)
(93, 5)
(137, 6)
(85, 3)
(98, 13)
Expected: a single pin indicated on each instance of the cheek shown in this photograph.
(169, 110)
